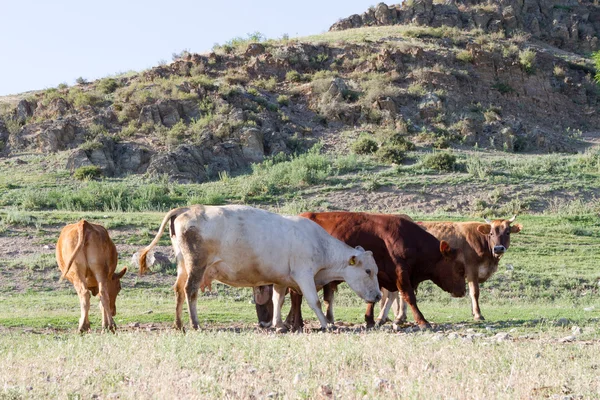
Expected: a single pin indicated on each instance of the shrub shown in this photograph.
(87, 172)
(267, 84)
(364, 145)
(107, 85)
(81, 81)
(399, 141)
(283, 100)
(442, 161)
(502, 87)
(390, 154)
(527, 60)
(293, 76)
(465, 56)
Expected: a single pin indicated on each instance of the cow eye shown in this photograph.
(368, 272)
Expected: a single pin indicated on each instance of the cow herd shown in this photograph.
(247, 247)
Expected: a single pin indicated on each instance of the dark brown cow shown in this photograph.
(405, 254)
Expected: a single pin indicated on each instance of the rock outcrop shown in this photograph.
(568, 24)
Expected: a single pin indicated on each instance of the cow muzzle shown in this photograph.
(377, 297)
(499, 249)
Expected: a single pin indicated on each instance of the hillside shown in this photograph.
(458, 84)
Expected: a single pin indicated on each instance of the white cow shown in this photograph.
(243, 246)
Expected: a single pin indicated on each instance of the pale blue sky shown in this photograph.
(46, 42)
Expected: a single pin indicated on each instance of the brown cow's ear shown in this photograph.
(516, 228)
(484, 229)
(352, 260)
(445, 249)
(119, 275)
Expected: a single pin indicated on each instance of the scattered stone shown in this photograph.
(562, 322)
(567, 339)
(149, 312)
(453, 335)
(252, 370)
(513, 330)
(509, 267)
(271, 395)
(438, 337)
(297, 378)
(502, 336)
(576, 330)
(380, 383)
(588, 309)
(325, 392)
(489, 328)
(48, 247)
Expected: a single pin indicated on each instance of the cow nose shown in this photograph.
(377, 298)
(499, 249)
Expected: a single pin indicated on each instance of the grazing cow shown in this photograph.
(405, 253)
(482, 244)
(88, 249)
(243, 246)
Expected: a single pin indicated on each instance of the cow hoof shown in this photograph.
(379, 323)
(263, 324)
(479, 318)
(282, 329)
(425, 326)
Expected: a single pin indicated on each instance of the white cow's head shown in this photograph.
(360, 273)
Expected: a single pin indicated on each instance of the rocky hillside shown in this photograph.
(427, 75)
(567, 24)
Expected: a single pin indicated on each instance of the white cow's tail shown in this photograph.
(78, 247)
(171, 215)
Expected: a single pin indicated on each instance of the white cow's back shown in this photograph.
(251, 247)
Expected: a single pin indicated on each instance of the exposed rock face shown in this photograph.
(48, 136)
(567, 24)
(24, 111)
(115, 159)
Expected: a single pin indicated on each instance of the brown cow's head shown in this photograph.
(451, 270)
(114, 287)
(498, 234)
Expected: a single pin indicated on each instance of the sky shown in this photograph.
(47, 42)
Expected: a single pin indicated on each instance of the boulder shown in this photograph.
(24, 111)
(156, 261)
(253, 147)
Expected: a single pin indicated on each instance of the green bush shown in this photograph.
(364, 145)
(465, 56)
(527, 60)
(293, 76)
(442, 161)
(107, 85)
(399, 141)
(87, 172)
(391, 154)
(283, 100)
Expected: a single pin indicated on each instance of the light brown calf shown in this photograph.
(88, 258)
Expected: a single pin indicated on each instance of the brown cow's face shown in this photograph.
(451, 270)
(498, 233)
(114, 287)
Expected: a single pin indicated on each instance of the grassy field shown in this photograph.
(542, 308)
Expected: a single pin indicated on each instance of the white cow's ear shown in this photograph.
(352, 260)
(359, 248)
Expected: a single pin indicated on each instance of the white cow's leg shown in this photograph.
(328, 295)
(179, 288)
(309, 291)
(399, 308)
(278, 298)
(383, 314)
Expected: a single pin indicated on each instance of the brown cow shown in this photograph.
(88, 248)
(405, 254)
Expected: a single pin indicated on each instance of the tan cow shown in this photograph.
(87, 248)
(482, 245)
